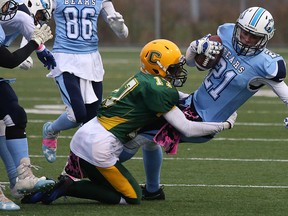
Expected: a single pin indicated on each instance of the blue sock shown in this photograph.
(63, 123)
(152, 158)
(8, 162)
(18, 148)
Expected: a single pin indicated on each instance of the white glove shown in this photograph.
(42, 34)
(205, 46)
(117, 24)
(27, 64)
(229, 124)
(286, 122)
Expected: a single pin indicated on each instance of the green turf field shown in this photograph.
(241, 172)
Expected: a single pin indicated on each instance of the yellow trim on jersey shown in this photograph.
(160, 114)
(109, 123)
(118, 181)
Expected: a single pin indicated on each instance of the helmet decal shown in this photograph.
(257, 16)
(154, 56)
(270, 26)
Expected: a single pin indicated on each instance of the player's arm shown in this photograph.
(195, 129)
(114, 19)
(11, 60)
(27, 63)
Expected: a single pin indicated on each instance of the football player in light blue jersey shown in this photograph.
(246, 66)
(23, 23)
(79, 72)
(27, 17)
(13, 137)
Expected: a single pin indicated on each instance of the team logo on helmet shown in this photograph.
(154, 56)
(270, 26)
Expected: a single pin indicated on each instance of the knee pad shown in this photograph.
(15, 122)
(16, 116)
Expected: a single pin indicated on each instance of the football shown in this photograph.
(203, 62)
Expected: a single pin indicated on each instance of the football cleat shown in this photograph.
(32, 198)
(158, 195)
(27, 183)
(5, 203)
(49, 143)
(58, 190)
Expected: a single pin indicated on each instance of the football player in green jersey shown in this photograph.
(140, 101)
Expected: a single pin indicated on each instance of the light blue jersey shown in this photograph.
(76, 31)
(235, 79)
(2, 35)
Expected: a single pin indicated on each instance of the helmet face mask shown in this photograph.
(41, 10)
(163, 58)
(177, 74)
(8, 9)
(255, 21)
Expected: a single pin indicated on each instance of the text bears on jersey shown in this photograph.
(80, 2)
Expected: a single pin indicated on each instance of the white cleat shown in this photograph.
(27, 183)
(7, 204)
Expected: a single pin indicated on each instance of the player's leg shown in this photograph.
(8, 162)
(111, 185)
(75, 114)
(92, 108)
(152, 157)
(15, 119)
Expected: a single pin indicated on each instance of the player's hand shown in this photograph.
(26, 64)
(117, 24)
(205, 46)
(42, 34)
(286, 122)
(46, 57)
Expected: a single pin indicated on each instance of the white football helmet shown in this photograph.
(41, 10)
(8, 9)
(256, 21)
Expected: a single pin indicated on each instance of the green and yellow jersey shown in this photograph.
(138, 102)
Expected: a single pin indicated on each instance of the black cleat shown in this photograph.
(58, 190)
(32, 198)
(158, 195)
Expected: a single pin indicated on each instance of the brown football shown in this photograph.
(203, 62)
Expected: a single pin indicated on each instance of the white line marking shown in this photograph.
(195, 159)
(228, 186)
(215, 186)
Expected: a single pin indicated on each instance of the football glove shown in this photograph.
(286, 122)
(205, 46)
(42, 34)
(26, 64)
(46, 57)
(116, 23)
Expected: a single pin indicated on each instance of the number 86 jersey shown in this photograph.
(76, 25)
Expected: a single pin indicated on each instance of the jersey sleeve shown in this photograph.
(273, 67)
(280, 71)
